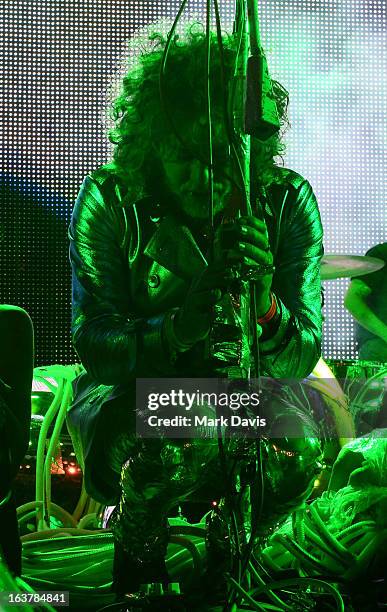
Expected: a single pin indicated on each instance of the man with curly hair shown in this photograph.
(145, 289)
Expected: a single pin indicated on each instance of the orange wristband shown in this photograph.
(270, 313)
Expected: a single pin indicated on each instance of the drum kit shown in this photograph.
(363, 382)
(346, 266)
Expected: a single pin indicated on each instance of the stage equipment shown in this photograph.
(346, 266)
(365, 385)
(16, 364)
(45, 387)
(343, 534)
(82, 565)
(51, 396)
(50, 462)
(19, 375)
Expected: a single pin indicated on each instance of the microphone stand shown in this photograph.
(255, 114)
(252, 109)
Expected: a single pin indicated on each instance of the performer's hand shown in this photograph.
(244, 244)
(193, 319)
(239, 247)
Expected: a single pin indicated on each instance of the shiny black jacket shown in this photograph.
(121, 291)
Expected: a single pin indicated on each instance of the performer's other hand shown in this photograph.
(193, 319)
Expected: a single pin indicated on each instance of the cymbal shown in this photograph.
(343, 266)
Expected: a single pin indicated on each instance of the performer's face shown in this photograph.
(187, 178)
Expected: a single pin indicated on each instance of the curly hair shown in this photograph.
(140, 123)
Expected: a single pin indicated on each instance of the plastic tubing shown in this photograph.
(360, 544)
(73, 567)
(325, 548)
(56, 533)
(52, 447)
(82, 501)
(326, 534)
(65, 400)
(302, 554)
(58, 511)
(351, 532)
(277, 552)
(353, 538)
(298, 525)
(24, 585)
(369, 550)
(187, 529)
(87, 519)
(362, 393)
(190, 546)
(42, 374)
(40, 452)
(93, 507)
(27, 517)
(68, 540)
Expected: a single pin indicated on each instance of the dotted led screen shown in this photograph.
(59, 59)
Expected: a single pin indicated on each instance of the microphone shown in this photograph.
(261, 115)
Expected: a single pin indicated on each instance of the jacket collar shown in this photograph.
(174, 247)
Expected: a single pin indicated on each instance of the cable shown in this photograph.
(246, 595)
(115, 606)
(163, 63)
(209, 122)
(228, 478)
(270, 593)
(237, 111)
(226, 114)
(304, 582)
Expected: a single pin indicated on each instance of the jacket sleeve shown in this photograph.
(295, 348)
(113, 345)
